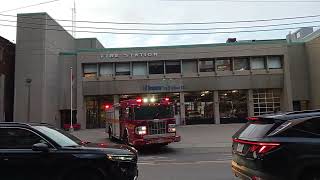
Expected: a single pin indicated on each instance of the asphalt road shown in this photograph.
(203, 154)
(200, 163)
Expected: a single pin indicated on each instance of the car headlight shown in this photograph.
(171, 128)
(116, 157)
(141, 130)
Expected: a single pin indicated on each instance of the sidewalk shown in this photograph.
(205, 135)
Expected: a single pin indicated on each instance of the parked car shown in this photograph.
(38, 151)
(278, 146)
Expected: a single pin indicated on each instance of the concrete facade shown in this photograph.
(46, 55)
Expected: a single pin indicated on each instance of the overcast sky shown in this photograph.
(166, 11)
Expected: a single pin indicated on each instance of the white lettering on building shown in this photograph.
(128, 55)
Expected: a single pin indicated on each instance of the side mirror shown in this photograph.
(40, 147)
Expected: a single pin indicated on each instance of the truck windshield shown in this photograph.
(153, 112)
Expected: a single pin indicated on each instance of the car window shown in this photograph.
(256, 130)
(61, 138)
(15, 138)
(306, 128)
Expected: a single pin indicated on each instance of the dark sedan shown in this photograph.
(37, 151)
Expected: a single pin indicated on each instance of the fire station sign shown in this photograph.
(163, 88)
(128, 55)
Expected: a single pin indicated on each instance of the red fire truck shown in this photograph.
(142, 121)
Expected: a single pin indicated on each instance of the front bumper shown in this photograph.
(243, 172)
(124, 171)
(157, 139)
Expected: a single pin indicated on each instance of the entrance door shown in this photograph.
(92, 119)
(233, 106)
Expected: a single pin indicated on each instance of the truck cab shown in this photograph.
(140, 122)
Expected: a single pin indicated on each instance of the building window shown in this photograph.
(266, 101)
(139, 68)
(106, 69)
(241, 64)
(206, 65)
(223, 64)
(274, 62)
(189, 66)
(90, 70)
(257, 63)
(173, 67)
(156, 67)
(122, 69)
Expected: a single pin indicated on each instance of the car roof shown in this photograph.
(292, 115)
(21, 124)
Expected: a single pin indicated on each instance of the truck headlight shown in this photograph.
(141, 130)
(116, 157)
(171, 128)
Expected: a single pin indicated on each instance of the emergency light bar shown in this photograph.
(152, 100)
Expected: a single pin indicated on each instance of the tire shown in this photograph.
(91, 174)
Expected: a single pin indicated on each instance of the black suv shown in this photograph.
(42, 152)
(278, 146)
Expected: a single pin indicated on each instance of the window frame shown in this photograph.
(112, 68)
(210, 60)
(239, 59)
(138, 62)
(84, 73)
(115, 70)
(187, 62)
(264, 59)
(50, 145)
(230, 59)
(173, 62)
(163, 67)
(280, 59)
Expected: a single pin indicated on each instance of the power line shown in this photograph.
(190, 33)
(178, 29)
(166, 24)
(29, 6)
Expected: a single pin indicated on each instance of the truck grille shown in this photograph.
(157, 127)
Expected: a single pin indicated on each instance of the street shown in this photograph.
(204, 153)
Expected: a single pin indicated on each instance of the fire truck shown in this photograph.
(142, 121)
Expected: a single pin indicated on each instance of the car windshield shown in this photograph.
(62, 138)
(153, 112)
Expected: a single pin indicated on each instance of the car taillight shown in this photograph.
(252, 119)
(260, 148)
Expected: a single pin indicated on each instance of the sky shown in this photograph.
(166, 11)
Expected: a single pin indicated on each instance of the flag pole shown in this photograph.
(71, 88)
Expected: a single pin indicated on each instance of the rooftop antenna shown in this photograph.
(74, 19)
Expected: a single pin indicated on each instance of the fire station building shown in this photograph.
(207, 83)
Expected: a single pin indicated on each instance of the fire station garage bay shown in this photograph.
(207, 83)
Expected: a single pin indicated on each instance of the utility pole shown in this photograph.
(71, 108)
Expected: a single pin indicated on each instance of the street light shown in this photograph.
(28, 84)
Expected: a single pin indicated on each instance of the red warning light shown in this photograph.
(106, 106)
(166, 99)
(139, 100)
